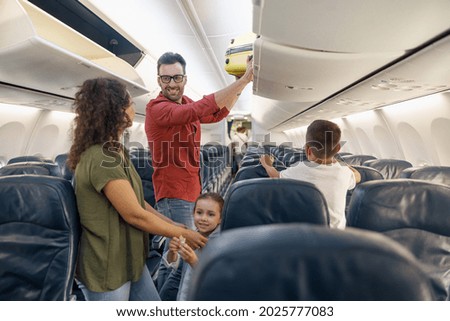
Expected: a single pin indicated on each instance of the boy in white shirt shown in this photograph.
(331, 177)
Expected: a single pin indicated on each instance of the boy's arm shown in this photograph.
(266, 162)
(356, 173)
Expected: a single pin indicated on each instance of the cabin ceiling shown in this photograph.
(313, 59)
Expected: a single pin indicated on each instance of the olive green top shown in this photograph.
(112, 252)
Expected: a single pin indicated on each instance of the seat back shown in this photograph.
(145, 170)
(254, 171)
(390, 168)
(30, 168)
(30, 158)
(356, 159)
(61, 161)
(266, 201)
(413, 212)
(367, 174)
(291, 262)
(435, 174)
(39, 235)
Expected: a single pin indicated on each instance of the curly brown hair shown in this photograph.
(99, 106)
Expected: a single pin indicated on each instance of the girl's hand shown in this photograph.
(188, 255)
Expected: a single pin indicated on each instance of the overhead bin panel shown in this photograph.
(298, 74)
(424, 73)
(351, 25)
(39, 52)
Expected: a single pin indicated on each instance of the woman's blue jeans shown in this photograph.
(142, 290)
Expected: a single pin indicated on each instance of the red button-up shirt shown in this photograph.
(174, 133)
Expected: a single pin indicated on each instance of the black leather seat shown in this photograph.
(266, 201)
(356, 159)
(367, 174)
(291, 262)
(145, 170)
(414, 213)
(435, 174)
(39, 235)
(30, 158)
(390, 168)
(61, 161)
(30, 168)
(254, 171)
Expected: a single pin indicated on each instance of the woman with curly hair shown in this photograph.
(114, 216)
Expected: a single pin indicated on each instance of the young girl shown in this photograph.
(207, 218)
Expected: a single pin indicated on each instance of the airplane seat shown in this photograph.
(254, 171)
(303, 262)
(415, 214)
(249, 161)
(266, 201)
(357, 159)
(65, 171)
(254, 160)
(407, 172)
(30, 168)
(435, 174)
(145, 170)
(367, 174)
(39, 235)
(294, 158)
(140, 153)
(390, 168)
(30, 158)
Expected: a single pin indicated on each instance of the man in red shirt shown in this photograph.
(173, 130)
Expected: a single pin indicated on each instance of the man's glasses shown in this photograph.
(176, 78)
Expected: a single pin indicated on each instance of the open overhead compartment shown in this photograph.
(40, 53)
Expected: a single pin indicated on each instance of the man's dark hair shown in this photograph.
(170, 58)
(323, 137)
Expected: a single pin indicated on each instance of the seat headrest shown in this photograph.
(435, 174)
(291, 262)
(390, 168)
(61, 161)
(34, 168)
(356, 159)
(30, 158)
(368, 173)
(34, 199)
(401, 203)
(407, 172)
(253, 171)
(265, 201)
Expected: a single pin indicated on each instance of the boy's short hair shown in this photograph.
(323, 137)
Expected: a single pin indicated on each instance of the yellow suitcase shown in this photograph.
(237, 52)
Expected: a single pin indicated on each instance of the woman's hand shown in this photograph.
(194, 239)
